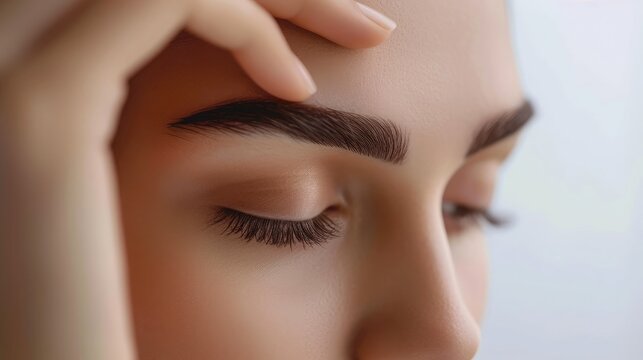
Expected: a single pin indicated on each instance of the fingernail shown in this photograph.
(305, 75)
(377, 17)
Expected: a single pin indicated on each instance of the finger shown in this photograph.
(256, 41)
(23, 21)
(112, 39)
(345, 22)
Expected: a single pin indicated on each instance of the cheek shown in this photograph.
(176, 304)
(177, 312)
(470, 261)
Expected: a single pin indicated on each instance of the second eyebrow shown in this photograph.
(361, 134)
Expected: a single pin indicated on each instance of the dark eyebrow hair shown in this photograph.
(365, 135)
(501, 127)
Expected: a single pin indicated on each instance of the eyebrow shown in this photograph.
(361, 134)
(365, 135)
(501, 127)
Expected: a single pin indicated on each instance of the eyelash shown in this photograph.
(280, 233)
(465, 215)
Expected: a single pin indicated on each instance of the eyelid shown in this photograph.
(473, 184)
(295, 193)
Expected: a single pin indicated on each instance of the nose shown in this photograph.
(412, 303)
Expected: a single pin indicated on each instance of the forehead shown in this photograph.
(446, 68)
(443, 53)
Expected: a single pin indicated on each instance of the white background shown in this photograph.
(567, 278)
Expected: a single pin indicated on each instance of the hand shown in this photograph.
(64, 65)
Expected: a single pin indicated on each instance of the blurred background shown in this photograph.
(567, 277)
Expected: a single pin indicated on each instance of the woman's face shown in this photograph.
(252, 234)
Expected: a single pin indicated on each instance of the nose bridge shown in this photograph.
(415, 307)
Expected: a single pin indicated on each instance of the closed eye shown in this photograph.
(463, 215)
(276, 232)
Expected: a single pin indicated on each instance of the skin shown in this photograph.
(396, 284)
(401, 282)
